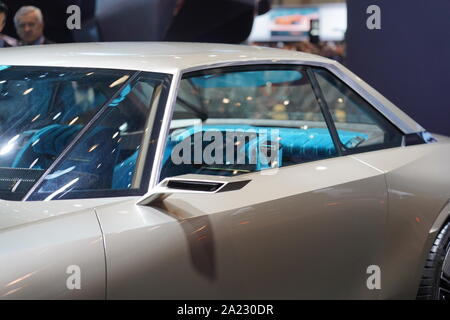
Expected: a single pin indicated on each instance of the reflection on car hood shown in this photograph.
(16, 213)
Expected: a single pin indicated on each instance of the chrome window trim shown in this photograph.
(145, 141)
(163, 134)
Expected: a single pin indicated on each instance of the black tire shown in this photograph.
(435, 283)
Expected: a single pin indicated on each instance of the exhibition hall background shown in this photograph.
(407, 60)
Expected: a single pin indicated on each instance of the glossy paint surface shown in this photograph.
(305, 231)
(39, 247)
(270, 239)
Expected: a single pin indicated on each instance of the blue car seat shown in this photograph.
(294, 146)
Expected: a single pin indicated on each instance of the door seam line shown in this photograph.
(104, 253)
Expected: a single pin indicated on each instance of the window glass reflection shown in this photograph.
(106, 157)
(350, 111)
(41, 110)
(232, 121)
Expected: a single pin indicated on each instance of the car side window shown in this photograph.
(35, 103)
(106, 157)
(231, 121)
(351, 112)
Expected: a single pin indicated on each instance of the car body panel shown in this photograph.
(18, 213)
(418, 185)
(165, 57)
(219, 243)
(38, 258)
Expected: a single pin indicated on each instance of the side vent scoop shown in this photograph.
(177, 185)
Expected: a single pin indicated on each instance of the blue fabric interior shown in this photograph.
(46, 143)
(49, 142)
(123, 172)
(297, 145)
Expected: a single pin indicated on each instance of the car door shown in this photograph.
(305, 220)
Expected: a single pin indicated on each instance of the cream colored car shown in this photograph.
(206, 171)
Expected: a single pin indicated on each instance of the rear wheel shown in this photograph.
(435, 283)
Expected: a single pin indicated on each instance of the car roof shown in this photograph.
(166, 57)
(175, 57)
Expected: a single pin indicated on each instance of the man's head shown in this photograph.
(29, 24)
(3, 15)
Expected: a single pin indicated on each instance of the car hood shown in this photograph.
(16, 213)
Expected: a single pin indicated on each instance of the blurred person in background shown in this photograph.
(308, 47)
(5, 41)
(29, 24)
(331, 50)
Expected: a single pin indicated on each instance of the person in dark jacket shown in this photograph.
(5, 41)
(29, 24)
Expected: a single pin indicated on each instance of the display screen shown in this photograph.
(294, 23)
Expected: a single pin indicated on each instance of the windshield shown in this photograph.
(42, 110)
